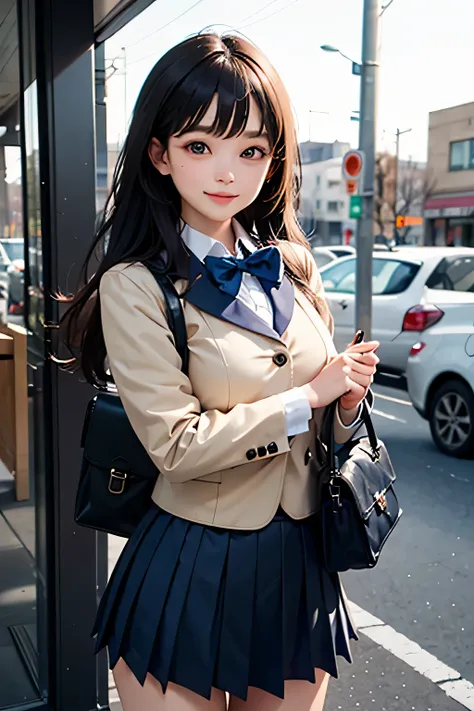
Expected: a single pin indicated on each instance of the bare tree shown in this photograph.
(384, 198)
(415, 185)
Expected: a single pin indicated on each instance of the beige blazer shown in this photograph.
(218, 436)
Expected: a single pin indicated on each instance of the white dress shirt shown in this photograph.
(251, 293)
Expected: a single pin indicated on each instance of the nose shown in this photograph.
(225, 176)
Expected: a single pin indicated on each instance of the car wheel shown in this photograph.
(451, 419)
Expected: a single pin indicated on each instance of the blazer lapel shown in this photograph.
(205, 295)
(283, 305)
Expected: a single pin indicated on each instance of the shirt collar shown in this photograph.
(202, 246)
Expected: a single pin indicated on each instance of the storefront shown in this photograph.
(53, 161)
(450, 220)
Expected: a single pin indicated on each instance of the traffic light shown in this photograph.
(400, 222)
(352, 164)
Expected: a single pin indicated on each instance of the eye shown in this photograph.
(197, 147)
(252, 153)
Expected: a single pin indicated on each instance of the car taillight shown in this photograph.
(417, 348)
(420, 317)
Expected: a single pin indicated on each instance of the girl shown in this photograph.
(219, 599)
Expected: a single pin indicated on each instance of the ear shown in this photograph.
(159, 156)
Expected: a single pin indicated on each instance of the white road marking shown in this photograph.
(447, 679)
(388, 417)
(392, 399)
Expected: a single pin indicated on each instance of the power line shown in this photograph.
(178, 17)
(267, 17)
(249, 17)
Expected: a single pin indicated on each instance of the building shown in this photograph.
(324, 206)
(449, 210)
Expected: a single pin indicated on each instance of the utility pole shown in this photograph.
(367, 144)
(397, 154)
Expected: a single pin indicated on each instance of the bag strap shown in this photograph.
(174, 314)
(327, 432)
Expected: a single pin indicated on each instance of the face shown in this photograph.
(217, 177)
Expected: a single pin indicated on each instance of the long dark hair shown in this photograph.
(141, 215)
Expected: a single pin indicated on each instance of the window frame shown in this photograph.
(468, 158)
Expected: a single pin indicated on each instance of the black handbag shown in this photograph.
(358, 505)
(117, 476)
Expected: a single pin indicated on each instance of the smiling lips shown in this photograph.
(221, 198)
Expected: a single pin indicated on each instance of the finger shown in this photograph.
(358, 366)
(361, 379)
(363, 347)
(369, 359)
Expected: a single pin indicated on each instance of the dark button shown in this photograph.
(307, 456)
(272, 448)
(261, 451)
(251, 454)
(280, 359)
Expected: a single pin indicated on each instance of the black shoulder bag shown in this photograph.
(358, 505)
(117, 476)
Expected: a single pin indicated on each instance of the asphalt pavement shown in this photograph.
(421, 591)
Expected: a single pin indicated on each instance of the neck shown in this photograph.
(220, 231)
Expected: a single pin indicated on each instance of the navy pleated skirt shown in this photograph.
(208, 607)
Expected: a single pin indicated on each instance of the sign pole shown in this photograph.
(367, 138)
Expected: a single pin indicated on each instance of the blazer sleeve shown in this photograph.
(183, 441)
(342, 433)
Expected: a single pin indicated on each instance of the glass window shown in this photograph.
(318, 204)
(388, 276)
(461, 155)
(333, 205)
(453, 274)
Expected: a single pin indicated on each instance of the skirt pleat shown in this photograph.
(142, 630)
(119, 575)
(143, 553)
(232, 667)
(205, 607)
(266, 656)
(160, 661)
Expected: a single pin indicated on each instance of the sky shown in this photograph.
(427, 55)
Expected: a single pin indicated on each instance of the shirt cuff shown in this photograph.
(297, 411)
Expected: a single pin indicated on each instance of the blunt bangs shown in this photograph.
(235, 82)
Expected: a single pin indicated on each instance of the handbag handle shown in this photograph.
(174, 314)
(327, 433)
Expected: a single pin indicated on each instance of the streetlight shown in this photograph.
(356, 66)
(368, 71)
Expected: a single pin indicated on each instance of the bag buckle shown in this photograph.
(381, 500)
(117, 481)
(334, 492)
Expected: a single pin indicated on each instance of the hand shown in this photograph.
(364, 367)
(340, 376)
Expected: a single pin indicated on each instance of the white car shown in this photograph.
(440, 377)
(414, 288)
(323, 256)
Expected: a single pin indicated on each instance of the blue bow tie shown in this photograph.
(265, 264)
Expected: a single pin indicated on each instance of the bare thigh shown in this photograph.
(299, 696)
(150, 697)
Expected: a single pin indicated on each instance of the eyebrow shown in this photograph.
(245, 134)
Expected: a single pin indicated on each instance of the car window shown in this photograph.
(389, 276)
(453, 274)
(15, 250)
(323, 258)
(335, 277)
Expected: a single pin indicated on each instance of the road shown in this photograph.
(423, 585)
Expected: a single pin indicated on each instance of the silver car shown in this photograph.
(413, 289)
(440, 377)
